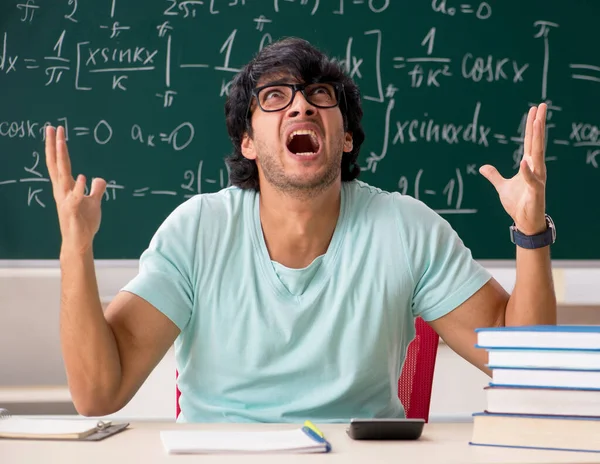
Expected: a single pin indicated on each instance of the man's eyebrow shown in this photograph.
(281, 80)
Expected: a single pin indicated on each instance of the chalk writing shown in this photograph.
(445, 86)
(452, 192)
(483, 10)
(429, 130)
(71, 15)
(28, 8)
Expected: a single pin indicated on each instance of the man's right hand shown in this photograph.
(109, 353)
(78, 214)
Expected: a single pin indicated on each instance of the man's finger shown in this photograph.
(79, 188)
(529, 130)
(98, 188)
(538, 143)
(527, 173)
(65, 177)
(492, 174)
(538, 165)
(51, 154)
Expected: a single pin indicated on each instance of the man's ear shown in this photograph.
(247, 147)
(348, 145)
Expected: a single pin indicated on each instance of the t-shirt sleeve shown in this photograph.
(443, 269)
(166, 267)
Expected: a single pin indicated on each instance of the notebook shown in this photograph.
(56, 429)
(298, 440)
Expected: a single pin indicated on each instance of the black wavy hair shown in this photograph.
(306, 63)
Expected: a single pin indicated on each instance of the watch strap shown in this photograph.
(543, 239)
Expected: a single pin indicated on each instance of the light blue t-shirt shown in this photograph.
(262, 342)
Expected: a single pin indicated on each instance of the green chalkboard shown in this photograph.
(140, 86)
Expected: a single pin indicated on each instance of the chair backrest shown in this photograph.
(416, 379)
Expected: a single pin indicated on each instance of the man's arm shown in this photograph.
(532, 302)
(107, 356)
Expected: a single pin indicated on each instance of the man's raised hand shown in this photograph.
(78, 214)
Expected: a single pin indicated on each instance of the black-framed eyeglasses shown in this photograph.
(277, 97)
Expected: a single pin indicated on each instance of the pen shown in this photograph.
(314, 428)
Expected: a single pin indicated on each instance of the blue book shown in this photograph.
(546, 378)
(542, 401)
(563, 337)
(539, 432)
(544, 358)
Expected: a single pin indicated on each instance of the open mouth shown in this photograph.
(303, 142)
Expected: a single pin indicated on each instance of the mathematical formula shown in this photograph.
(386, 69)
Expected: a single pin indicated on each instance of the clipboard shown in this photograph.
(23, 428)
(104, 432)
(99, 435)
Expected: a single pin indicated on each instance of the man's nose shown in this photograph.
(300, 106)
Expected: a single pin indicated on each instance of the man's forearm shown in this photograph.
(533, 300)
(89, 348)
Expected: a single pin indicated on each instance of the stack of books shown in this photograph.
(545, 388)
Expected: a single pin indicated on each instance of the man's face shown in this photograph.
(299, 149)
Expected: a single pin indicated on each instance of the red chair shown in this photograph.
(416, 378)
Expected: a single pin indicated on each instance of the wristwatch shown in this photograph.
(548, 237)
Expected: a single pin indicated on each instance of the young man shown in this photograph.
(293, 294)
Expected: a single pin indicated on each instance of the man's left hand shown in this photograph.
(524, 195)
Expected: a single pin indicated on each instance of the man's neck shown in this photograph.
(298, 230)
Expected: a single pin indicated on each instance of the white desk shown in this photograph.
(440, 443)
